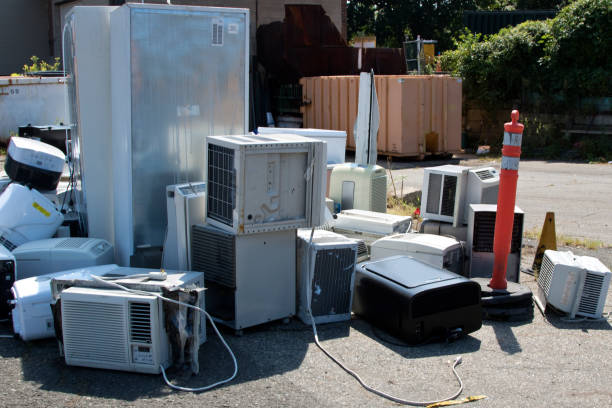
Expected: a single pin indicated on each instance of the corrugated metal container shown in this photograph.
(418, 114)
(35, 100)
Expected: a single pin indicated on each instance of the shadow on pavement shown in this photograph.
(463, 345)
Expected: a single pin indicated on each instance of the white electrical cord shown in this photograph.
(227, 347)
(457, 361)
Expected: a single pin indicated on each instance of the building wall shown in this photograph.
(262, 12)
(24, 31)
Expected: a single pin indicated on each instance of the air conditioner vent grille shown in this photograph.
(378, 199)
(448, 196)
(221, 184)
(433, 193)
(72, 242)
(140, 322)
(484, 174)
(545, 275)
(484, 232)
(94, 331)
(331, 286)
(589, 301)
(213, 252)
(7, 243)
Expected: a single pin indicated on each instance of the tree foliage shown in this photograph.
(552, 63)
(391, 20)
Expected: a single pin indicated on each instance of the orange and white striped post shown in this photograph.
(511, 153)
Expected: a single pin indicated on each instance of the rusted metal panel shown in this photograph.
(418, 114)
(384, 61)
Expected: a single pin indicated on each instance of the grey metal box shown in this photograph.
(250, 279)
(179, 74)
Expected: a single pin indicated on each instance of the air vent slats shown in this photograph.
(331, 290)
(94, 331)
(591, 292)
(213, 252)
(448, 195)
(140, 322)
(221, 184)
(484, 174)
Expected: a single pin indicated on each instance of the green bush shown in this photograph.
(548, 66)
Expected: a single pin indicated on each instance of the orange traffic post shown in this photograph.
(511, 153)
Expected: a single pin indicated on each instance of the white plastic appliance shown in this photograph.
(482, 188)
(250, 279)
(480, 236)
(46, 256)
(26, 215)
(444, 189)
(200, 88)
(369, 225)
(360, 187)
(186, 206)
(32, 317)
(325, 276)
(265, 183)
(576, 285)
(87, 49)
(34, 163)
(335, 139)
(113, 329)
(440, 251)
(7, 278)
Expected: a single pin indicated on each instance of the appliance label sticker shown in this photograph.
(217, 32)
(232, 28)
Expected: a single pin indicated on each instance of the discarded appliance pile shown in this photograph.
(246, 236)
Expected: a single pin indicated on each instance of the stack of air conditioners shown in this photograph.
(480, 236)
(576, 285)
(146, 105)
(260, 190)
(448, 192)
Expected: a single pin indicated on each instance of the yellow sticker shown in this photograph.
(42, 210)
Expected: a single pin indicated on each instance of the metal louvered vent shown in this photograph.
(484, 174)
(378, 198)
(448, 195)
(591, 292)
(221, 184)
(331, 284)
(214, 252)
(217, 32)
(545, 275)
(94, 331)
(484, 232)
(362, 250)
(433, 193)
(72, 243)
(140, 322)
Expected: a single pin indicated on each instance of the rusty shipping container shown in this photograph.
(419, 114)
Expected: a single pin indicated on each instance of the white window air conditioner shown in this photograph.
(265, 183)
(46, 256)
(358, 186)
(480, 237)
(369, 225)
(186, 205)
(325, 276)
(482, 188)
(114, 329)
(443, 196)
(576, 285)
(440, 251)
(449, 190)
(250, 278)
(26, 215)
